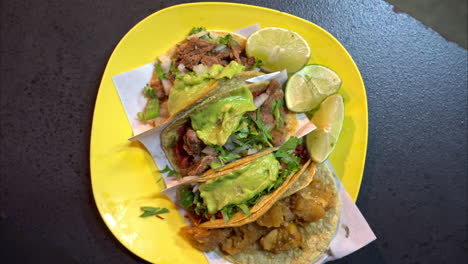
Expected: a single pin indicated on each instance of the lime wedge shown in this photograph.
(307, 88)
(278, 48)
(329, 120)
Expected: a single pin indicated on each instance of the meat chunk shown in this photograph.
(279, 214)
(156, 84)
(310, 203)
(191, 52)
(242, 237)
(235, 51)
(192, 144)
(224, 57)
(275, 93)
(204, 239)
(210, 60)
(281, 239)
(200, 166)
(248, 62)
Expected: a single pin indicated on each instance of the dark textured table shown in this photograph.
(53, 53)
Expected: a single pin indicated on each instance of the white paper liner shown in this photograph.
(280, 76)
(130, 86)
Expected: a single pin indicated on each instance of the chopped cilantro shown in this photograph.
(229, 157)
(152, 211)
(264, 130)
(140, 116)
(186, 198)
(148, 92)
(174, 69)
(291, 144)
(228, 211)
(205, 37)
(258, 63)
(285, 155)
(170, 172)
(241, 135)
(158, 71)
(225, 40)
(196, 30)
(277, 113)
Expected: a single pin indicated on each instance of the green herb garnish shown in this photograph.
(170, 172)
(158, 71)
(226, 39)
(148, 92)
(205, 37)
(186, 198)
(228, 211)
(291, 144)
(196, 30)
(152, 211)
(263, 129)
(258, 63)
(277, 113)
(174, 69)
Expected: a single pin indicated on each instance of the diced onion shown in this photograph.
(241, 149)
(247, 31)
(260, 99)
(209, 151)
(199, 34)
(200, 69)
(252, 151)
(181, 68)
(256, 69)
(165, 63)
(166, 85)
(229, 143)
(213, 35)
(195, 187)
(220, 48)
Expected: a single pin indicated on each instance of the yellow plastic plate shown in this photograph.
(124, 176)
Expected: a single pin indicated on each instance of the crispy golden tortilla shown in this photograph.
(317, 235)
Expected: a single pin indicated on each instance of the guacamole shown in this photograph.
(191, 85)
(240, 185)
(216, 122)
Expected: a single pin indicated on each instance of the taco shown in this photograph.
(231, 196)
(191, 70)
(295, 226)
(240, 120)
